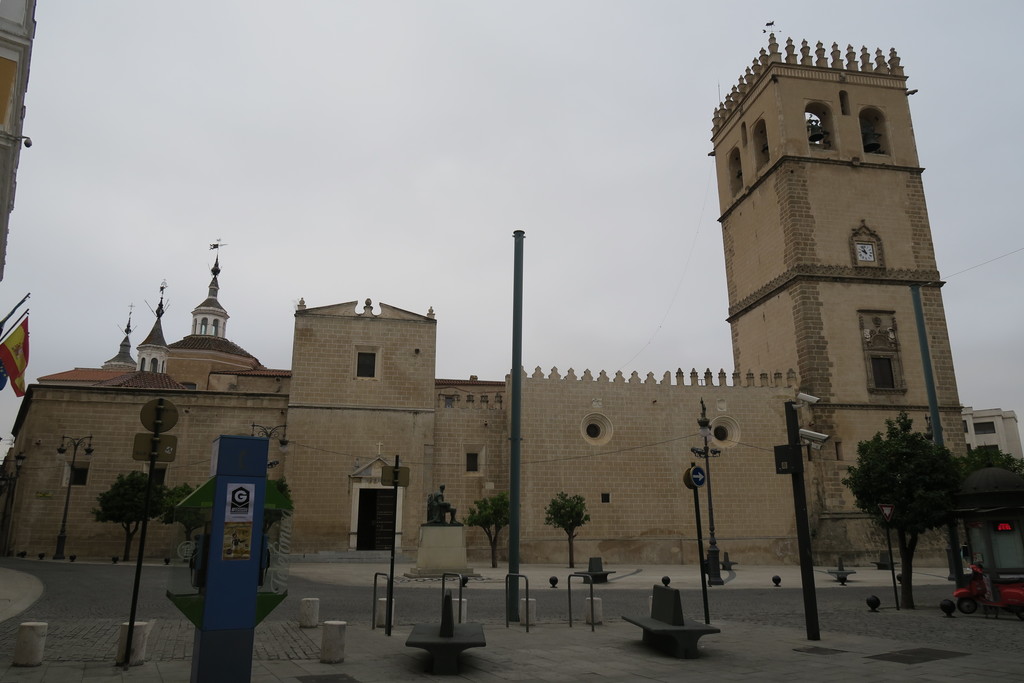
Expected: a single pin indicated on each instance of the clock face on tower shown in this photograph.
(865, 252)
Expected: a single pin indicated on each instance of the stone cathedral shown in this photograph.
(825, 230)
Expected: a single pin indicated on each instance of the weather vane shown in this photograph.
(218, 244)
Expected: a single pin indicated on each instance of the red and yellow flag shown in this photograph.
(14, 356)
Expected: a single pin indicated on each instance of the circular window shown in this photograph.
(596, 429)
(725, 432)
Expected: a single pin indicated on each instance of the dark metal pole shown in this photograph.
(62, 535)
(714, 568)
(956, 570)
(892, 566)
(391, 572)
(515, 431)
(803, 531)
(700, 549)
(154, 448)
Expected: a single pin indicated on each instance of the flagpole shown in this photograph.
(16, 307)
(16, 323)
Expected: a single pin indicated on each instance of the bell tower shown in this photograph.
(825, 230)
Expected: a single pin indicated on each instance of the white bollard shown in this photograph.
(525, 613)
(140, 640)
(28, 648)
(598, 611)
(382, 610)
(332, 642)
(309, 613)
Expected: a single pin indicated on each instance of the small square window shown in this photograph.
(79, 476)
(366, 364)
(472, 462)
(606, 497)
(449, 401)
(881, 369)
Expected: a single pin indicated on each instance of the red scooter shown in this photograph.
(1008, 595)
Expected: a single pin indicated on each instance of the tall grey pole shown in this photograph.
(515, 438)
(956, 570)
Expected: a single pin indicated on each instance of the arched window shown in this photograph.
(202, 326)
(735, 171)
(818, 120)
(153, 367)
(762, 152)
(216, 327)
(872, 132)
(195, 326)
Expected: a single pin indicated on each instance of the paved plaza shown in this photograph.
(763, 636)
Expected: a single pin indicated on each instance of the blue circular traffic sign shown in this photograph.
(697, 476)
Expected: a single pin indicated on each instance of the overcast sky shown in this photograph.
(388, 150)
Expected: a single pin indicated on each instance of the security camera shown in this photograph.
(807, 398)
(27, 141)
(814, 437)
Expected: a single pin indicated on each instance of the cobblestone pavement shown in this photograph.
(763, 628)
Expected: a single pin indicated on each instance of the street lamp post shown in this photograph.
(12, 483)
(62, 449)
(279, 431)
(714, 568)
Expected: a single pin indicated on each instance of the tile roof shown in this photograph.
(206, 342)
(143, 380)
(81, 375)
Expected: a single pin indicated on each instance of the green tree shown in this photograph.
(189, 518)
(567, 513)
(123, 503)
(272, 517)
(978, 458)
(905, 469)
(490, 514)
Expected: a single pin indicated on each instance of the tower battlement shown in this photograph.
(834, 60)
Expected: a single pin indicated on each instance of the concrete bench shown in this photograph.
(885, 561)
(666, 629)
(447, 642)
(841, 573)
(727, 564)
(596, 571)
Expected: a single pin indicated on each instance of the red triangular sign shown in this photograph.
(887, 510)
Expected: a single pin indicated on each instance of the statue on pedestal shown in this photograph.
(438, 508)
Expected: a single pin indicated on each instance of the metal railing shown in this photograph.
(373, 614)
(587, 579)
(463, 580)
(527, 580)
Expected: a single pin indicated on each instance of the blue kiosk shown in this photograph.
(235, 576)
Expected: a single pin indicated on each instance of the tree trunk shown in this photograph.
(572, 562)
(129, 535)
(908, 544)
(494, 552)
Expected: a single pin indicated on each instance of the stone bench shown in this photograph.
(596, 571)
(885, 561)
(666, 629)
(447, 642)
(841, 573)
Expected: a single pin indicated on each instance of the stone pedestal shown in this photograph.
(30, 643)
(442, 549)
(309, 613)
(332, 642)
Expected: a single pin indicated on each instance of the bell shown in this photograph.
(871, 144)
(869, 137)
(814, 132)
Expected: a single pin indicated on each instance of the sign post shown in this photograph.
(158, 416)
(694, 478)
(888, 510)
